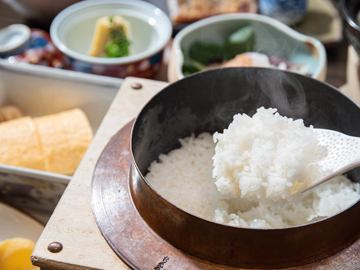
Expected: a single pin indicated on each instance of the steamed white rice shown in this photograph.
(265, 158)
(184, 177)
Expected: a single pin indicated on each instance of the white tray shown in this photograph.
(39, 91)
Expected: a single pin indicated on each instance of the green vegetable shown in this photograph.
(241, 41)
(202, 54)
(190, 65)
(205, 53)
(118, 44)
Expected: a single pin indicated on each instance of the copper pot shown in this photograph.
(207, 101)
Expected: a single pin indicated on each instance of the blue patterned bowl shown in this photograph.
(287, 11)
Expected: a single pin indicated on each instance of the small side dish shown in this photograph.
(237, 50)
(115, 53)
(272, 44)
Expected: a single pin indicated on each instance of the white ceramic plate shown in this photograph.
(14, 223)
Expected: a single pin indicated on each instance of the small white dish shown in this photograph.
(150, 28)
(272, 38)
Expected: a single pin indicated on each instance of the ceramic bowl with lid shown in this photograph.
(13, 39)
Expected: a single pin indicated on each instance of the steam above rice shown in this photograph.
(223, 185)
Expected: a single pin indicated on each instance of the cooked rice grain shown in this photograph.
(184, 178)
(265, 158)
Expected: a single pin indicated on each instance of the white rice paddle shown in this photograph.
(340, 153)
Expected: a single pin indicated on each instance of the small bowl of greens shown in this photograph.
(115, 38)
(244, 39)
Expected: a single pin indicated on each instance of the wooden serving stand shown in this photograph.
(72, 223)
(72, 238)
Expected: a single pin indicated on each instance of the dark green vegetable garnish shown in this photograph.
(205, 53)
(202, 54)
(190, 65)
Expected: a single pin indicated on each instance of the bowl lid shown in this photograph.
(12, 38)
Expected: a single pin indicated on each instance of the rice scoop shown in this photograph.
(266, 158)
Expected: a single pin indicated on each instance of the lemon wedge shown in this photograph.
(15, 254)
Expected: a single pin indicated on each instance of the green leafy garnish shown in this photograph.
(190, 65)
(200, 54)
(205, 53)
(118, 44)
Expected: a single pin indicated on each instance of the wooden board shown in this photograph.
(72, 222)
(135, 242)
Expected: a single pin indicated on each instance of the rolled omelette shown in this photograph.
(20, 145)
(57, 143)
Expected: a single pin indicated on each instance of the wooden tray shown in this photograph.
(107, 162)
(72, 223)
